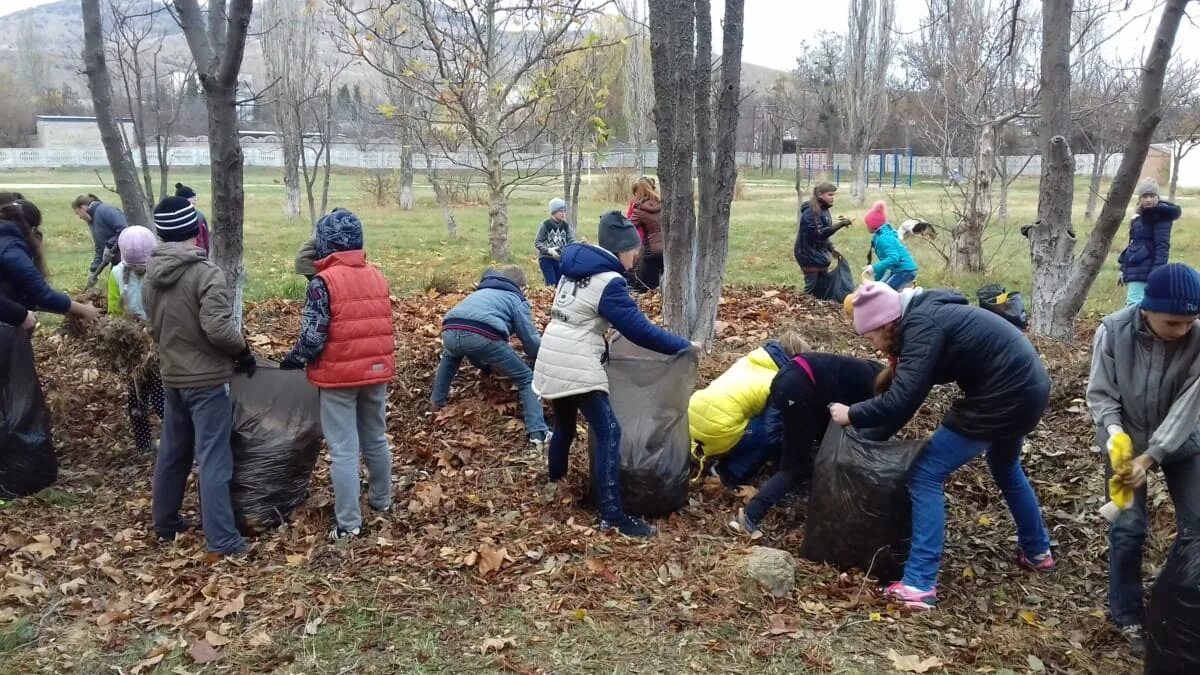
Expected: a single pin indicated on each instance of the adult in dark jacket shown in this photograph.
(933, 338)
(802, 393)
(106, 223)
(646, 216)
(22, 269)
(814, 251)
(1149, 240)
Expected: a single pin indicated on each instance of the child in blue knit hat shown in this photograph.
(1143, 388)
(552, 237)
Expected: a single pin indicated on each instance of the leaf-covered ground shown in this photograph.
(480, 568)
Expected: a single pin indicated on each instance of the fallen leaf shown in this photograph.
(1029, 617)
(155, 597)
(496, 644)
(295, 559)
(490, 558)
(985, 521)
(875, 616)
(216, 639)
(147, 663)
(260, 639)
(43, 546)
(310, 626)
(778, 624)
(232, 607)
(72, 586)
(202, 652)
(911, 663)
(1035, 664)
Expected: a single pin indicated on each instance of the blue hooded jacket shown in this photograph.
(580, 261)
(892, 253)
(497, 307)
(20, 279)
(106, 225)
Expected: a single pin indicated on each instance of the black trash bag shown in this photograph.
(859, 513)
(1011, 305)
(27, 459)
(649, 394)
(836, 285)
(276, 439)
(1173, 617)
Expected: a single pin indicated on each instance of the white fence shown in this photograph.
(388, 157)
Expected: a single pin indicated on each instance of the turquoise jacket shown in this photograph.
(893, 255)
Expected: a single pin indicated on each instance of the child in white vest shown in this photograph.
(591, 298)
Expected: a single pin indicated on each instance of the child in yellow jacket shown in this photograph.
(730, 418)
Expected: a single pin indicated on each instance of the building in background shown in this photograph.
(74, 131)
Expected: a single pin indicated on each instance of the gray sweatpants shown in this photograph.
(355, 421)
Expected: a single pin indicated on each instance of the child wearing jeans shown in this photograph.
(895, 265)
(592, 297)
(478, 329)
(347, 348)
(552, 237)
(190, 311)
(1143, 389)
(145, 393)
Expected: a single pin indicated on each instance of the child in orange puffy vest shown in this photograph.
(347, 347)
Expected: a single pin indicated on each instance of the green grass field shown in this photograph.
(412, 247)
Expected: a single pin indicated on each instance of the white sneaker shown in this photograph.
(337, 533)
(541, 444)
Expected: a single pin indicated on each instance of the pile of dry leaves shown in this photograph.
(82, 575)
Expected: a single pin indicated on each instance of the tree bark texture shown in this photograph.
(406, 173)
(1097, 175)
(133, 199)
(1061, 288)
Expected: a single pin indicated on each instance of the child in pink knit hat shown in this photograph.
(895, 265)
(144, 393)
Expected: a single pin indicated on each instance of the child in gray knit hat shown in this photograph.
(1149, 240)
(552, 237)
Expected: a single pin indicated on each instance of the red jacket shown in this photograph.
(360, 346)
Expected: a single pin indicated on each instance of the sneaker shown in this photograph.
(1042, 563)
(1137, 642)
(337, 533)
(433, 409)
(628, 526)
(743, 525)
(541, 440)
(912, 598)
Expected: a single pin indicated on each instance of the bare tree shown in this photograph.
(478, 70)
(580, 90)
(1181, 117)
(1060, 280)
(291, 52)
(638, 100)
(864, 91)
(695, 252)
(318, 114)
(217, 41)
(133, 200)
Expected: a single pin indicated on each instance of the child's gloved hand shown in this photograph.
(554, 252)
(868, 273)
(290, 362)
(1120, 457)
(245, 362)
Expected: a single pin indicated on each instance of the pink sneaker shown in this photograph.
(912, 598)
(1042, 564)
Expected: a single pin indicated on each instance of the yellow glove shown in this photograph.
(1120, 456)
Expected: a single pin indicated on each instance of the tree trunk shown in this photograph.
(967, 253)
(406, 174)
(228, 195)
(858, 184)
(1097, 174)
(1176, 160)
(133, 200)
(292, 146)
(1057, 296)
(714, 231)
(163, 145)
(573, 202)
(443, 200)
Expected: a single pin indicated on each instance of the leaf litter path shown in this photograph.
(479, 568)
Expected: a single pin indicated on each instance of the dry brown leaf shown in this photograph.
(496, 644)
(295, 559)
(202, 652)
(911, 663)
(156, 597)
(147, 663)
(260, 639)
(780, 624)
(72, 586)
(43, 546)
(216, 639)
(491, 559)
(232, 607)
(310, 626)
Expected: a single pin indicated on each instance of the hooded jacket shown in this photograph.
(944, 340)
(106, 225)
(190, 312)
(892, 253)
(719, 413)
(496, 310)
(1149, 241)
(647, 217)
(20, 278)
(1149, 387)
(553, 234)
(591, 297)
(813, 249)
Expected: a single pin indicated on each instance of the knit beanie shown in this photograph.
(136, 243)
(556, 205)
(1147, 186)
(1173, 289)
(338, 230)
(876, 217)
(175, 219)
(184, 191)
(875, 305)
(617, 234)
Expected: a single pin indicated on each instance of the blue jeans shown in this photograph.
(897, 280)
(947, 451)
(498, 354)
(551, 270)
(1127, 536)
(355, 421)
(750, 454)
(606, 459)
(197, 423)
(1134, 292)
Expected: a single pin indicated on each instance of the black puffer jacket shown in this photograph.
(943, 340)
(813, 249)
